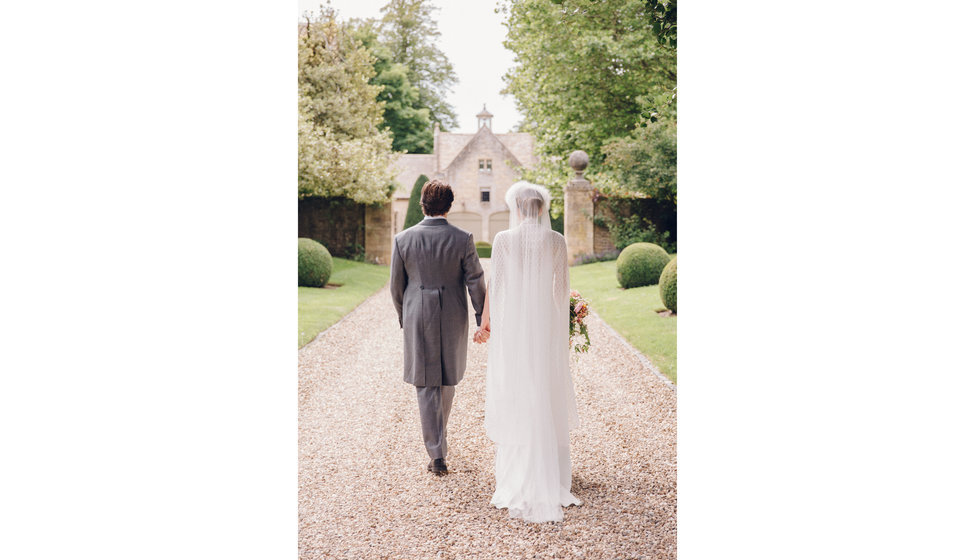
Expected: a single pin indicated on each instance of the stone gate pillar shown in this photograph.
(377, 233)
(578, 209)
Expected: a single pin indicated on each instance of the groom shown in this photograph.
(433, 265)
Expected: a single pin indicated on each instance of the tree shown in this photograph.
(408, 30)
(404, 116)
(586, 72)
(414, 213)
(600, 77)
(663, 17)
(341, 150)
(646, 161)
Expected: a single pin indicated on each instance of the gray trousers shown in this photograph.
(434, 406)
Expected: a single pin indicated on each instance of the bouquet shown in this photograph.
(578, 331)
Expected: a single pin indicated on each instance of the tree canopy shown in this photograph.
(409, 31)
(646, 160)
(599, 77)
(342, 152)
(586, 71)
(409, 122)
(663, 17)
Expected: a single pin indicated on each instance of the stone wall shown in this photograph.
(338, 223)
(379, 234)
(399, 209)
(602, 241)
(348, 229)
(609, 211)
(579, 211)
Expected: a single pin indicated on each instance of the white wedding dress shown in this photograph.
(530, 399)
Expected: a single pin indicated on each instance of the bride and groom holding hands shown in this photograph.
(530, 401)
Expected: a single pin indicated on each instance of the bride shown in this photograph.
(530, 399)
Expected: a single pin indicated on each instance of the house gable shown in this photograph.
(482, 138)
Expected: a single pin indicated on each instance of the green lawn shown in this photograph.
(633, 313)
(321, 307)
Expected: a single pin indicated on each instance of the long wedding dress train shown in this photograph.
(530, 398)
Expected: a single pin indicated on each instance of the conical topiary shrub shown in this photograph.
(640, 264)
(315, 263)
(414, 213)
(668, 285)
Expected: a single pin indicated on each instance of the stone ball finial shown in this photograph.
(578, 160)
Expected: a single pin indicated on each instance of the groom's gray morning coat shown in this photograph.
(433, 265)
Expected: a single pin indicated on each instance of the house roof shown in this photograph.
(483, 132)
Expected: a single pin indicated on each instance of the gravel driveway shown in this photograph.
(363, 487)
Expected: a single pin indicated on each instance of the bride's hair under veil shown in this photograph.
(530, 399)
(528, 201)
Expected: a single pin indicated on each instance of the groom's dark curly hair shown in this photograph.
(437, 198)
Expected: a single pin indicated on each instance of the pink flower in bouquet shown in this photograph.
(578, 309)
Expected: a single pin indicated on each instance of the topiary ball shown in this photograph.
(640, 264)
(668, 285)
(315, 263)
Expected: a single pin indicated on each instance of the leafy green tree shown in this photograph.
(601, 77)
(404, 116)
(414, 213)
(341, 150)
(663, 17)
(646, 160)
(409, 31)
(586, 71)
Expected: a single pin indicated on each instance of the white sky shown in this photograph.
(472, 38)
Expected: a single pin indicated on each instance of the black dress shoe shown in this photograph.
(438, 466)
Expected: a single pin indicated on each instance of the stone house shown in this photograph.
(480, 167)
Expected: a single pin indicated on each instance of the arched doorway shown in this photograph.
(467, 221)
(498, 223)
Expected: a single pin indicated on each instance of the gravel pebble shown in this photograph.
(363, 487)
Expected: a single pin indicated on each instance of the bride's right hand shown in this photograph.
(482, 335)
